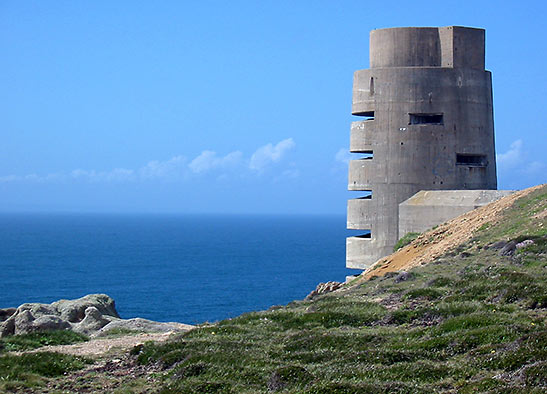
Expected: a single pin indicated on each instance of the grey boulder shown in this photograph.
(74, 311)
(140, 325)
(44, 323)
(92, 322)
(92, 315)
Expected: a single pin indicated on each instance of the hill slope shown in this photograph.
(470, 320)
(449, 235)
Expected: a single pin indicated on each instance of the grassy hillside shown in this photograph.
(470, 321)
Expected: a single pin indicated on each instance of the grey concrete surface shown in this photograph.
(429, 208)
(427, 121)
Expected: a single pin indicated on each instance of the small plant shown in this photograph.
(484, 227)
(405, 240)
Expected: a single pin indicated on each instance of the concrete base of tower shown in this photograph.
(362, 252)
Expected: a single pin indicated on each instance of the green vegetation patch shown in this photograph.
(405, 240)
(427, 293)
(38, 339)
(28, 370)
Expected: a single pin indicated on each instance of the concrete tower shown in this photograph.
(426, 124)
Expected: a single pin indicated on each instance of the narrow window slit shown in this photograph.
(367, 195)
(467, 159)
(368, 115)
(362, 195)
(365, 154)
(366, 235)
(426, 119)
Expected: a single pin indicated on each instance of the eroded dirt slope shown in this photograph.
(440, 240)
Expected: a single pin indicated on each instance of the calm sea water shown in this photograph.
(189, 269)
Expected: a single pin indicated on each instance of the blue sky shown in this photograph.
(224, 107)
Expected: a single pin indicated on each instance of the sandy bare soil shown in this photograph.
(104, 346)
(434, 243)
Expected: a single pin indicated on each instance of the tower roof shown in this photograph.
(450, 46)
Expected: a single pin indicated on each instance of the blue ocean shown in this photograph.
(184, 268)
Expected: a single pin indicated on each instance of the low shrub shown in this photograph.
(405, 240)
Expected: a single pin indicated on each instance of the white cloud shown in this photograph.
(343, 156)
(119, 174)
(515, 158)
(173, 168)
(32, 178)
(208, 160)
(512, 157)
(79, 173)
(516, 170)
(270, 153)
(115, 175)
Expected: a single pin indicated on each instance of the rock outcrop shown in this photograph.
(323, 288)
(93, 315)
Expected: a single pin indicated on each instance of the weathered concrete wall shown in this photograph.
(429, 208)
(427, 123)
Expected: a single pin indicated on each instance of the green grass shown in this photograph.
(20, 372)
(405, 240)
(468, 322)
(38, 339)
(26, 371)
